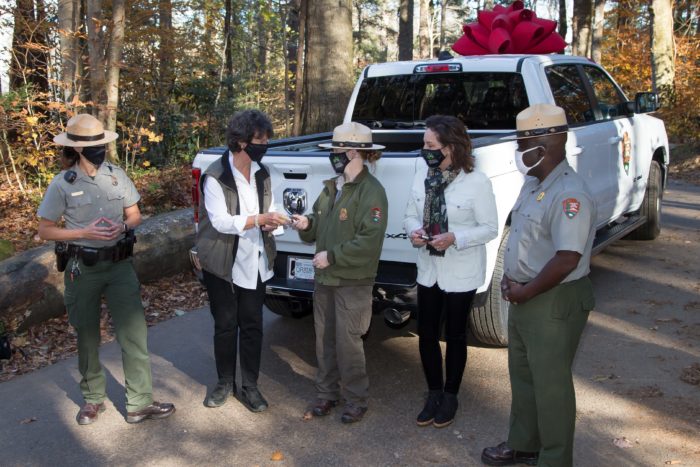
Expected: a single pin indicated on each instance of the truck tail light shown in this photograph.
(438, 68)
(196, 175)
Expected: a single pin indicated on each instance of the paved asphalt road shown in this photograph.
(644, 332)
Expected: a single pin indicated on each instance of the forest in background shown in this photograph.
(167, 74)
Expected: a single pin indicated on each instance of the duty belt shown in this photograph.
(96, 254)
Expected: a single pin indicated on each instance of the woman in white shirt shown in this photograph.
(450, 216)
(236, 251)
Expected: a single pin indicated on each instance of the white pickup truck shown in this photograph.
(621, 152)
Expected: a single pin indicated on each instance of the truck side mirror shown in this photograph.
(645, 102)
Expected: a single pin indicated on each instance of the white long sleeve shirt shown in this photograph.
(251, 258)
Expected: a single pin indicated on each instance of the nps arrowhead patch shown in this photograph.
(571, 207)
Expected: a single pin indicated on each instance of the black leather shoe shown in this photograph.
(322, 407)
(89, 412)
(253, 400)
(155, 411)
(219, 394)
(353, 413)
(504, 455)
(427, 415)
(446, 411)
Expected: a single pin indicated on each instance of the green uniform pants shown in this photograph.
(342, 314)
(120, 286)
(543, 336)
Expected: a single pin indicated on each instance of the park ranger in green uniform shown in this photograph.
(97, 203)
(547, 261)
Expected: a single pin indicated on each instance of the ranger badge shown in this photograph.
(571, 207)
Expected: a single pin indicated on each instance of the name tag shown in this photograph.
(76, 193)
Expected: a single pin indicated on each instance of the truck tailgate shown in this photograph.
(307, 171)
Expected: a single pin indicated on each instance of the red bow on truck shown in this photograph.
(511, 30)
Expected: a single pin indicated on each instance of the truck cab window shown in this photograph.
(570, 93)
(483, 101)
(610, 100)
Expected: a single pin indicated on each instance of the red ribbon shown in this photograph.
(511, 30)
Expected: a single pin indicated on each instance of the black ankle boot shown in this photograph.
(220, 393)
(427, 415)
(446, 411)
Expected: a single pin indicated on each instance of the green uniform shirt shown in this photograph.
(351, 229)
(557, 214)
(89, 198)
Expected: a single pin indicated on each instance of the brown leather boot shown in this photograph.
(89, 412)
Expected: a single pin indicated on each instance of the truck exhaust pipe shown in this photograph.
(396, 319)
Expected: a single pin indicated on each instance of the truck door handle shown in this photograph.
(615, 139)
(574, 150)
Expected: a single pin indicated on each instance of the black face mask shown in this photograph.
(432, 157)
(339, 160)
(256, 151)
(95, 154)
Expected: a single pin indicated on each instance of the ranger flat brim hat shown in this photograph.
(352, 135)
(84, 130)
(539, 120)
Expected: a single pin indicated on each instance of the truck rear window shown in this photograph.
(483, 101)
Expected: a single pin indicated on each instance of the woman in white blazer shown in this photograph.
(450, 216)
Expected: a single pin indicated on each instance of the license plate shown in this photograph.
(300, 268)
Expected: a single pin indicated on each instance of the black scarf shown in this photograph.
(435, 208)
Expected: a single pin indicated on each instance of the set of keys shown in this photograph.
(74, 270)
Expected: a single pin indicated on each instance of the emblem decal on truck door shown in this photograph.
(626, 150)
(294, 200)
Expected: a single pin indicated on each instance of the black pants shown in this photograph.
(432, 302)
(236, 310)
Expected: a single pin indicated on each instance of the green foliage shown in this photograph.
(6, 250)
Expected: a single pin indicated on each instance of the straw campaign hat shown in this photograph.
(540, 120)
(352, 135)
(84, 130)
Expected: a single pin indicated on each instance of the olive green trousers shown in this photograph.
(120, 287)
(543, 337)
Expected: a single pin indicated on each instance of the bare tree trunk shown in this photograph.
(662, 48)
(406, 30)
(228, 52)
(598, 26)
(301, 66)
(96, 48)
(581, 27)
(563, 26)
(329, 76)
(165, 52)
(68, 25)
(424, 30)
(360, 23)
(29, 47)
(262, 32)
(114, 57)
(443, 17)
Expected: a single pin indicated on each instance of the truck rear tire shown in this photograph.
(489, 323)
(288, 307)
(651, 206)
